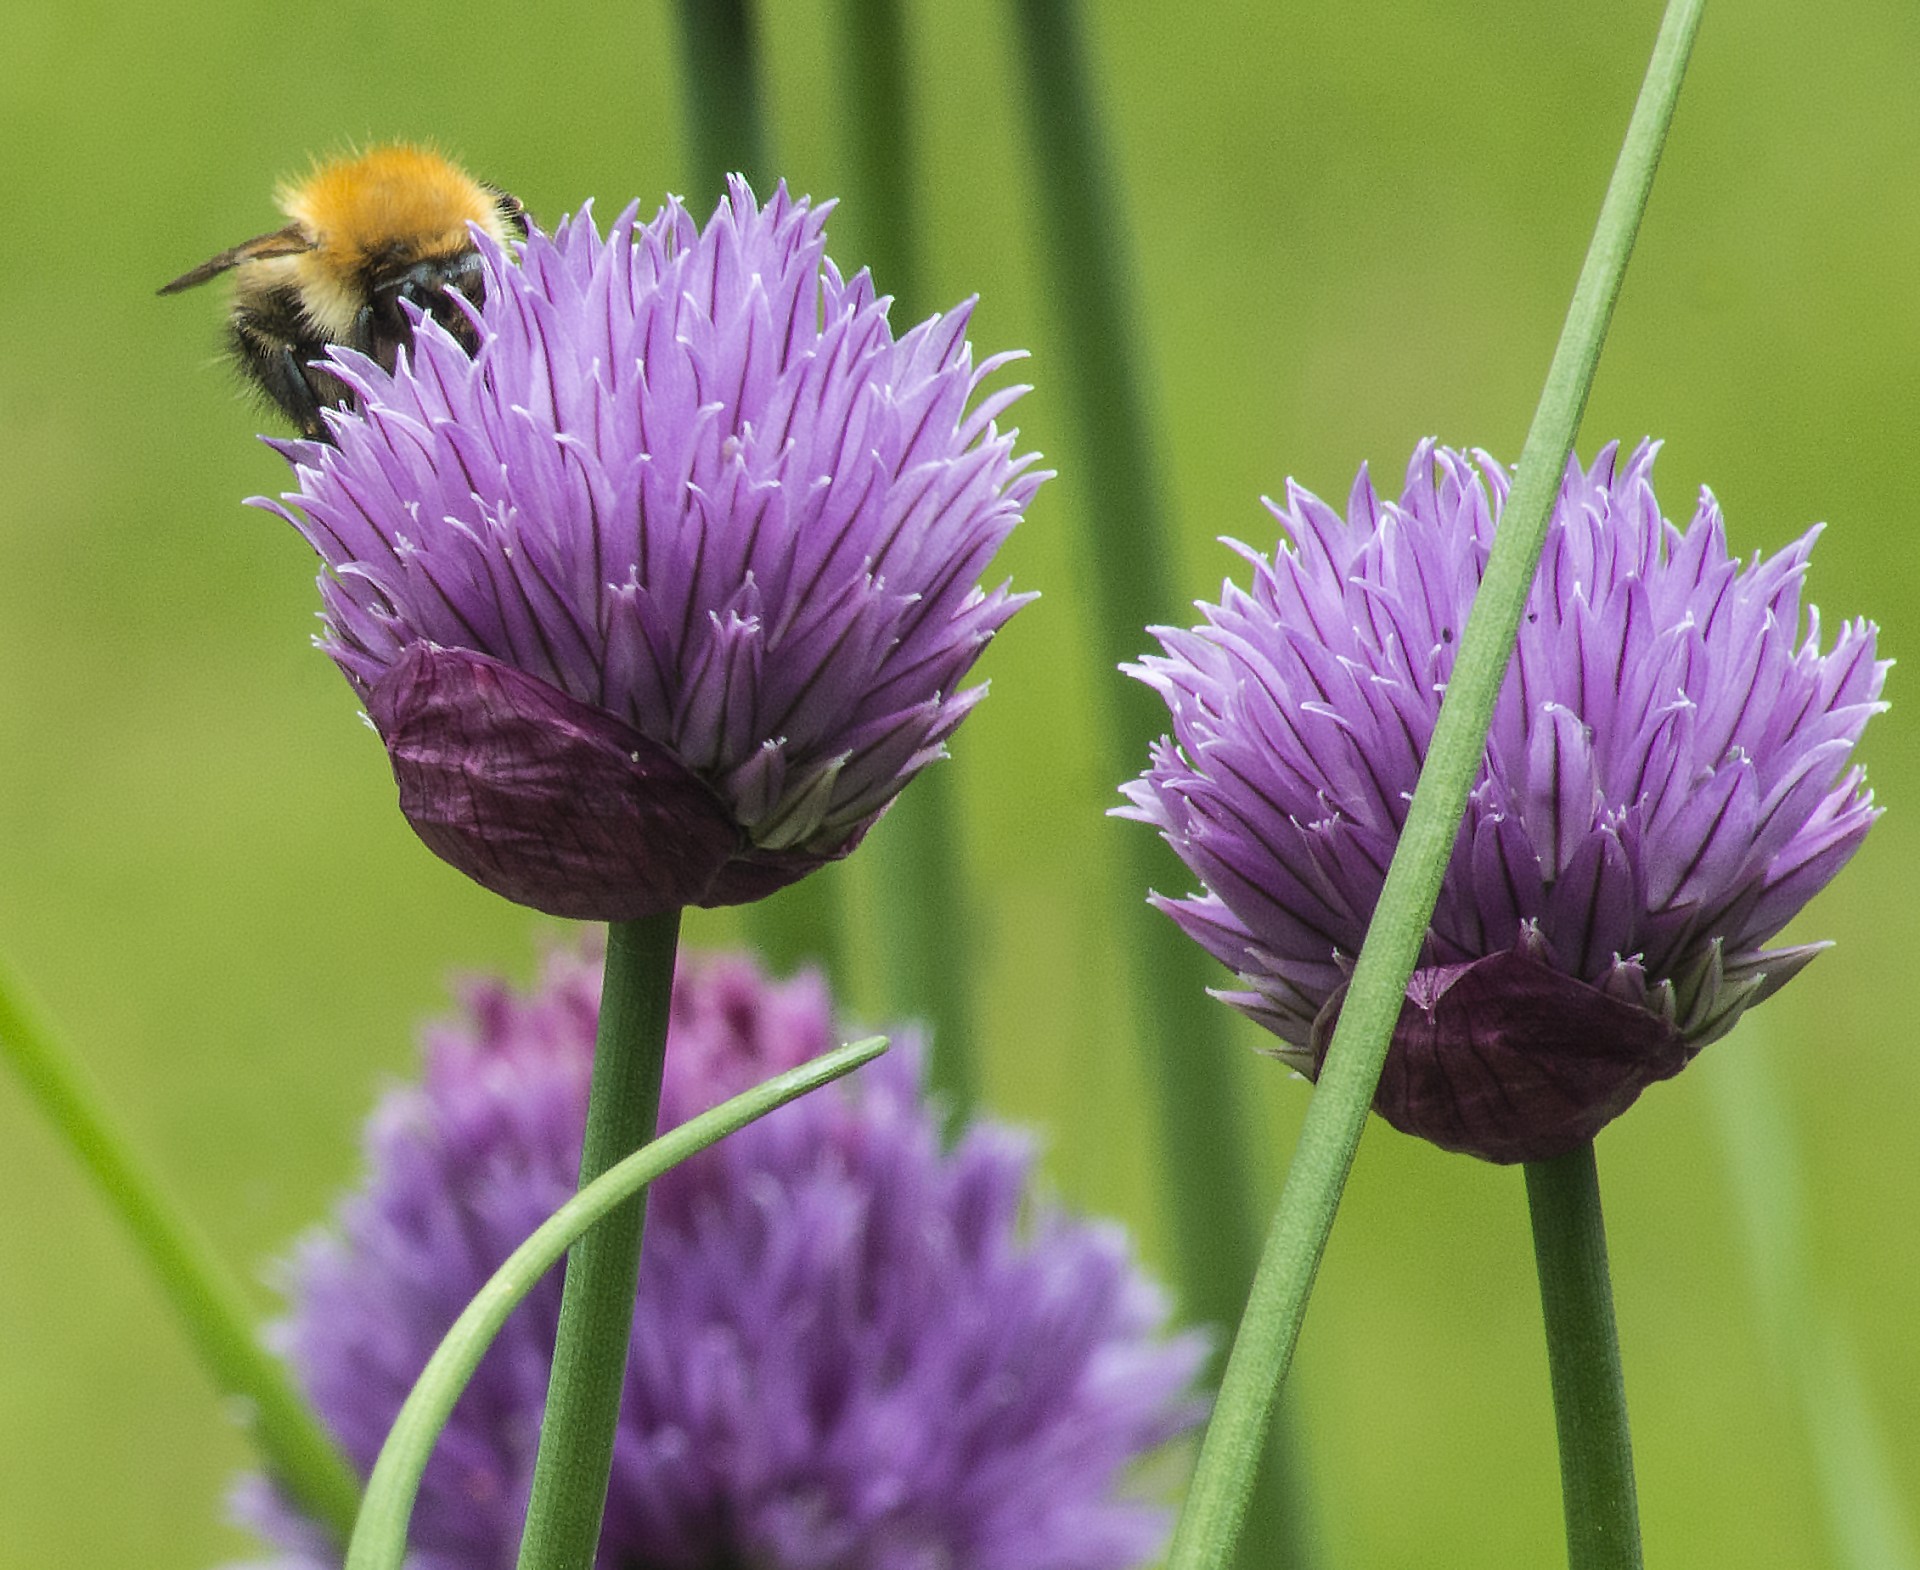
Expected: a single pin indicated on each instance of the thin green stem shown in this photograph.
(208, 1301)
(720, 98)
(1086, 260)
(922, 891)
(1583, 1362)
(380, 1536)
(1189, 1056)
(1131, 543)
(575, 1456)
(1270, 1328)
(924, 935)
(878, 92)
(723, 110)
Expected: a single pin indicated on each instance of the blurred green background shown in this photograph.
(1354, 225)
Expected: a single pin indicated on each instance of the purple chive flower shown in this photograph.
(661, 596)
(1665, 784)
(853, 1350)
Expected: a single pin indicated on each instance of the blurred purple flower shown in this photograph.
(1666, 783)
(853, 1350)
(661, 596)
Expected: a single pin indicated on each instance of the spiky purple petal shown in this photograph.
(1667, 780)
(689, 480)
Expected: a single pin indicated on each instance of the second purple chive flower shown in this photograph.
(856, 1347)
(662, 596)
(1666, 782)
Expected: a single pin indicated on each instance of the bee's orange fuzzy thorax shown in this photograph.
(393, 200)
(392, 195)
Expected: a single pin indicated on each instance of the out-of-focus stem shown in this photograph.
(1127, 550)
(207, 1299)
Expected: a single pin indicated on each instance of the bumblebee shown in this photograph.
(366, 233)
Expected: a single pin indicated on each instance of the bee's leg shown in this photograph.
(290, 385)
(380, 330)
(275, 366)
(366, 338)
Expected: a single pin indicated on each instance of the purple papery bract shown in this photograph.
(1667, 779)
(691, 482)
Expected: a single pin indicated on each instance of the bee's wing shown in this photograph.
(290, 241)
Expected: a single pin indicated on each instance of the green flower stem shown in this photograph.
(575, 1457)
(380, 1536)
(1189, 1053)
(922, 893)
(1264, 1345)
(924, 934)
(881, 145)
(722, 111)
(208, 1300)
(720, 98)
(1086, 251)
(1583, 1361)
